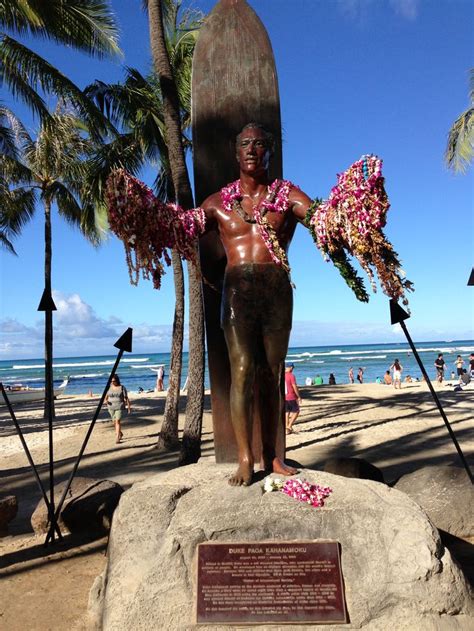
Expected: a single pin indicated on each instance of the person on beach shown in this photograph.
(351, 375)
(397, 370)
(332, 379)
(360, 375)
(387, 378)
(439, 364)
(464, 379)
(160, 374)
(471, 365)
(292, 399)
(459, 363)
(116, 399)
(256, 219)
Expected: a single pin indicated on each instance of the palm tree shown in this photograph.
(50, 170)
(191, 446)
(86, 25)
(460, 146)
(136, 107)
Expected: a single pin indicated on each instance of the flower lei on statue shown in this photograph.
(149, 228)
(276, 201)
(350, 222)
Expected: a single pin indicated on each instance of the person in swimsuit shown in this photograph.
(257, 298)
(397, 374)
(459, 363)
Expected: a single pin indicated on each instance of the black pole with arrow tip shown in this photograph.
(397, 316)
(470, 282)
(124, 343)
(28, 454)
(47, 305)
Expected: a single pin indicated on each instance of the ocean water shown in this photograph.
(136, 371)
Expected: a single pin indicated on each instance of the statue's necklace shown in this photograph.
(239, 209)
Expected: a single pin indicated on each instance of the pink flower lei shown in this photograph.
(276, 201)
(351, 221)
(149, 228)
(304, 491)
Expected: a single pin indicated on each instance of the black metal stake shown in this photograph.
(124, 343)
(47, 305)
(28, 454)
(398, 315)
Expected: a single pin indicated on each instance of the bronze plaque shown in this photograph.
(270, 582)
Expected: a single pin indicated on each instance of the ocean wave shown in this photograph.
(349, 359)
(69, 365)
(106, 362)
(308, 355)
(26, 380)
(90, 375)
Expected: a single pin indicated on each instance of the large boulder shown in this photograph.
(397, 574)
(88, 507)
(446, 494)
(8, 511)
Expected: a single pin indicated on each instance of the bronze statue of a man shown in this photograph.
(256, 220)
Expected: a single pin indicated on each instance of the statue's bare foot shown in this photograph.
(278, 466)
(243, 475)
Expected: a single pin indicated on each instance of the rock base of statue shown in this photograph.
(395, 570)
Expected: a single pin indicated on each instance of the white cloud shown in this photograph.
(75, 318)
(407, 9)
(78, 331)
(360, 10)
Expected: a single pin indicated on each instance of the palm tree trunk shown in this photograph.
(168, 437)
(191, 445)
(49, 412)
(195, 400)
(48, 331)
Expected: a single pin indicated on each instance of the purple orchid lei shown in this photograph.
(149, 228)
(276, 201)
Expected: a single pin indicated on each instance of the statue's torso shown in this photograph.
(242, 241)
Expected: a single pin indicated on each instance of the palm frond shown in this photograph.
(87, 25)
(24, 72)
(17, 207)
(6, 243)
(15, 171)
(460, 145)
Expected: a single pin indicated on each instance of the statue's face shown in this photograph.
(253, 153)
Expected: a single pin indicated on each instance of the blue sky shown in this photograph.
(356, 76)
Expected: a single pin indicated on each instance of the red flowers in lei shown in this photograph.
(276, 201)
(304, 491)
(148, 227)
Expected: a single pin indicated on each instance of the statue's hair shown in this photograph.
(267, 136)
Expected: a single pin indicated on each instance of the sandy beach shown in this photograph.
(42, 589)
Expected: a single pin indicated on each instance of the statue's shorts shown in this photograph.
(257, 297)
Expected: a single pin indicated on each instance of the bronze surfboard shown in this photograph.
(234, 82)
